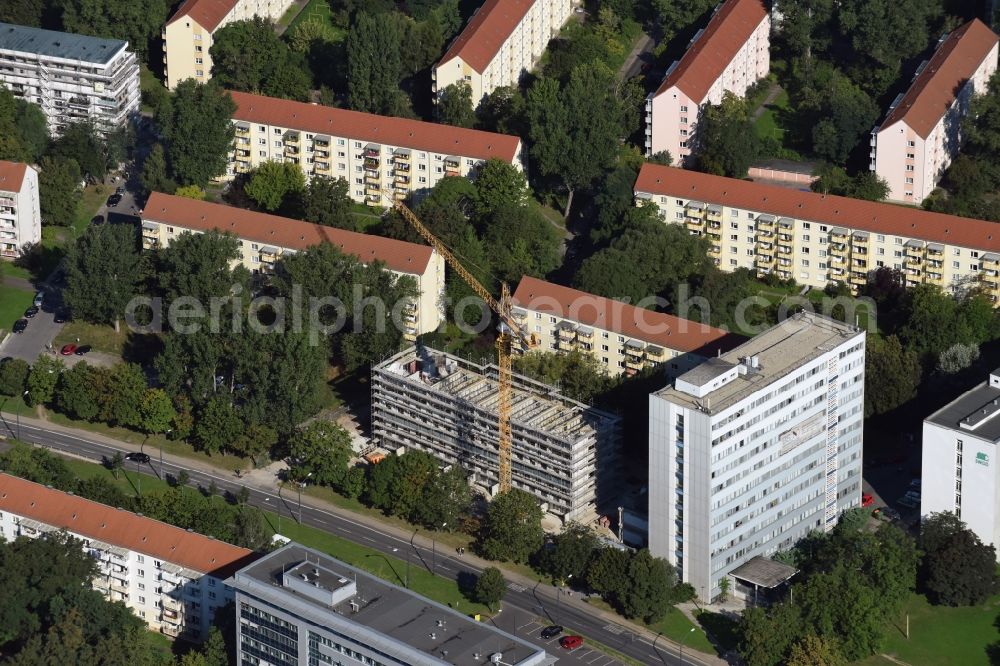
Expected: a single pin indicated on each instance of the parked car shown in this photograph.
(82, 349)
(20, 325)
(31, 312)
(908, 502)
(61, 316)
(915, 483)
(914, 494)
(867, 500)
(97, 219)
(119, 190)
(114, 200)
(571, 642)
(39, 298)
(68, 350)
(551, 631)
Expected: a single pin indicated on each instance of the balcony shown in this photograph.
(242, 129)
(118, 585)
(372, 151)
(321, 167)
(934, 278)
(915, 249)
(401, 156)
(838, 235)
(566, 344)
(634, 365)
(715, 251)
(452, 167)
(715, 213)
(913, 263)
(859, 279)
(784, 251)
(373, 178)
(567, 332)
(765, 223)
(291, 138)
(172, 630)
(402, 180)
(584, 334)
(293, 152)
(694, 210)
(371, 163)
(373, 199)
(656, 354)
(694, 224)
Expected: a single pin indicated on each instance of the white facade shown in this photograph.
(502, 41)
(959, 468)
(754, 449)
(729, 55)
(20, 216)
(921, 134)
(188, 35)
(161, 588)
(72, 78)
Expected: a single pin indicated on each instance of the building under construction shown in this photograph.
(564, 452)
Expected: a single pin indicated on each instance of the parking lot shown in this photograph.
(41, 330)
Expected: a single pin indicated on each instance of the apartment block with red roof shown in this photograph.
(383, 158)
(20, 215)
(920, 135)
(622, 337)
(187, 36)
(729, 55)
(819, 239)
(265, 239)
(169, 577)
(502, 41)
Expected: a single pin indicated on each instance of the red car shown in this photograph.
(68, 350)
(571, 642)
(867, 500)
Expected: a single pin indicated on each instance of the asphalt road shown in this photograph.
(42, 329)
(525, 610)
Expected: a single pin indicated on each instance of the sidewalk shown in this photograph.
(269, 483)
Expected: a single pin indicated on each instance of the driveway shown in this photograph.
(640, 57)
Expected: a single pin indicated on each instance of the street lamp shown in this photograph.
(23, 396)
(407, 584)
(161, 453)
(434, 551)
(680, 646)
(302, 484)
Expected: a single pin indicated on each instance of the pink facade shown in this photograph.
(920, 136)
(730, 55)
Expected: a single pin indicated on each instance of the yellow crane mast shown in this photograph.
(508, 330)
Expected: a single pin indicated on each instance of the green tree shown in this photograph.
(958, 568)
(255, 441)
(524, 242)
(650, 581)
(191, 192)
(154, 172)
(490, 587)
(727, 143)
(102, 273)
(197, 127)
(569, 553)
(127, 387)
(578, 375)
(374, 67)
(446, 498)
(866, 185)
(321, 451)
(454, 105)
(59, 190)
(218, 425)
(246, 53)
(24, 12)
(767, 635)
(272, 183)
(606, 573)
(672, 14)
(82, 143)
(43, 379)
(511, 530)
(816, 651)
(892, 374)
(576, 131)
(198, 265)
(33, 129)
(400, 486)
(13, 376)
(117, 463)
(500, 186)
(138, 21)
(305, 33)
(327, 201)
(156, 411)
(74, 394)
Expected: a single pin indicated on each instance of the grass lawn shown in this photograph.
(675, 626)
(768, 123)
(315, 10)
(101, 338)
(13, 303)
(10, 270)
(93, 197)
(147, 81)
(942, 635)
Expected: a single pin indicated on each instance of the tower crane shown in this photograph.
(508, 331)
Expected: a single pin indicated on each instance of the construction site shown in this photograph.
(563, 452)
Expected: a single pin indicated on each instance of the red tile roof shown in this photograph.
(933, 91)
(12, 175)
(399, 132)
(121, 528)
(284, 232)
(726, 33)
(881, 218)
(206, 13)
(590, 310)
(486, 32)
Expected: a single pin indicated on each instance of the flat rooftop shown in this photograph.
(975, 412)
(66, 45)
(763, 572)
(777, 351)
(395, 615)
(535, 405)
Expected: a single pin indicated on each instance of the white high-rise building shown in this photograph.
(72, 77)
(959, 463)
(752, 450)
